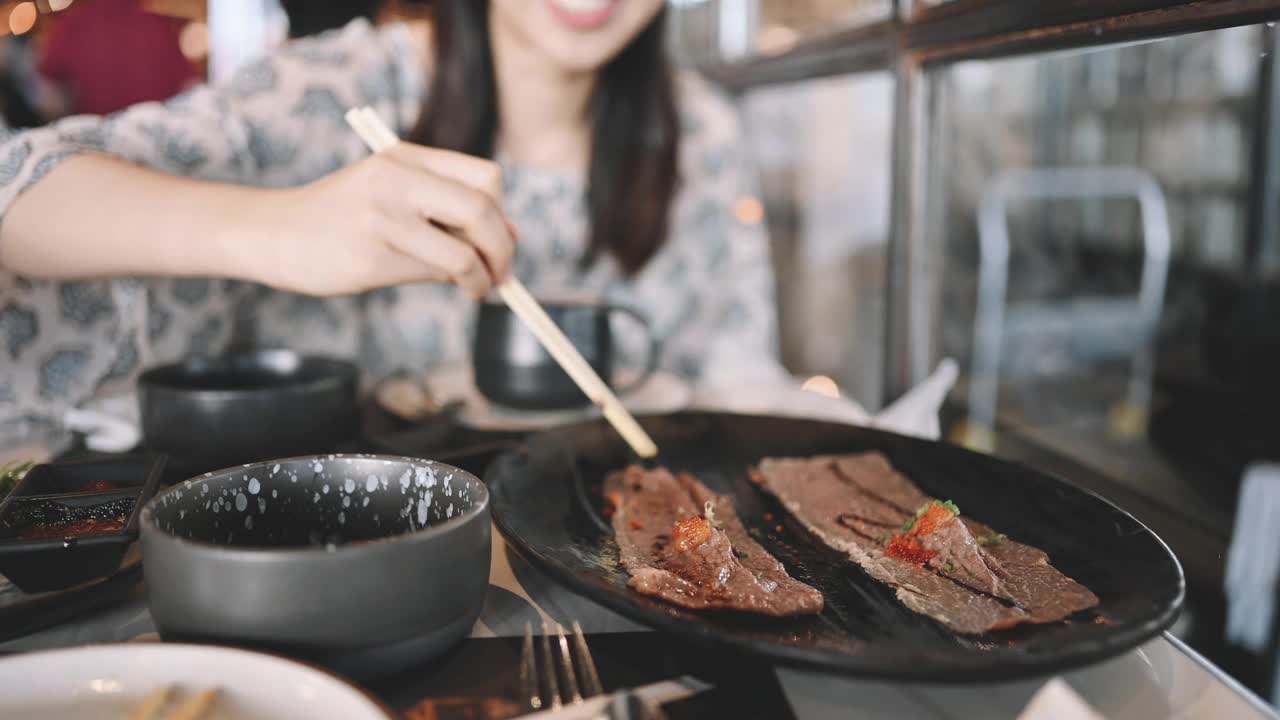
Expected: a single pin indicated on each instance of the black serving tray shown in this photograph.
(68, 491)
(543, 503)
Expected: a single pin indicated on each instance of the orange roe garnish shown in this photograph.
(935, 517)
(691, 533)
(636, 524)
(908, 548)
(612, 502)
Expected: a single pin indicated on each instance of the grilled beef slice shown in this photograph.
(872, 473)
(728, 570)
(1031, 581)
(855, 503)
(816, 496)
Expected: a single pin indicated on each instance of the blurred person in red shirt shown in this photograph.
(106, 55)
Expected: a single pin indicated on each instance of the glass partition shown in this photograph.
(822, 148)
(714, 31)
(782, 22)
(1081, 207)
(1090, 205)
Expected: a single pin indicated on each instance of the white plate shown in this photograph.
(661, 393)
(105, 682)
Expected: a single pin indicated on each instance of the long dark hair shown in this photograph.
(634, 127)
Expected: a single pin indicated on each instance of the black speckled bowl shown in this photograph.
(365, 563)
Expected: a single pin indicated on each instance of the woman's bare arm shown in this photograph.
(409, 214)
(96, 216)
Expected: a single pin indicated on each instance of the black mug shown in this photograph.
(512, 368)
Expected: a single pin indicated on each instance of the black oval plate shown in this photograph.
(545, 501)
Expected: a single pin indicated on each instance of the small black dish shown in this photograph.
(72, 492)
(212, 413)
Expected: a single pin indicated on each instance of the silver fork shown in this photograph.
(540, 689)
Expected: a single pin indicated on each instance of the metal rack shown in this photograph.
(1133, 320)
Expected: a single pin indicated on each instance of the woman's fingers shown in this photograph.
(477, 173)
(469, 213)
(480, 174)
(453, 258)
(474, 216)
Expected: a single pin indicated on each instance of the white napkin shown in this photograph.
(109, 424)
(915, 413)
(1058, 701)
(1253, 559)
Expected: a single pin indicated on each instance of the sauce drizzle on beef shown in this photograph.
(942, 565)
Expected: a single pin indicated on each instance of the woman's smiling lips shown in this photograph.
(582, 14)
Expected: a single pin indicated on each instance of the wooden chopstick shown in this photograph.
(369, 126)
(151, 704)
(196, 706)
(193, 708)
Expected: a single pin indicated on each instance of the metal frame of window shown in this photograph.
(1263, 243)
(973, 29)
(860, 49)
(921, 37)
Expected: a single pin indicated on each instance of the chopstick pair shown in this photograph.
(369, 126)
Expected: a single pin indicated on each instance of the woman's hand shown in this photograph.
(407, 214)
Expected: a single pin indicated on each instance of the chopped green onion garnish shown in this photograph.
(741, 553)
(906, 526)
(993, 540)
(946, 568)
(709, 511)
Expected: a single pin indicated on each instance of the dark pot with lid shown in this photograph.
(210, 413)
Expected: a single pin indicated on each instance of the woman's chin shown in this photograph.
(575, 35)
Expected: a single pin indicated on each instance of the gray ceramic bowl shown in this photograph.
(365, 563)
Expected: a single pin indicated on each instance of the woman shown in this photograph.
(259, 218)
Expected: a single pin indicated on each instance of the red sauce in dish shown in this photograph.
(77, 528)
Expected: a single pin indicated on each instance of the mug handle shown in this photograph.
(655, 347)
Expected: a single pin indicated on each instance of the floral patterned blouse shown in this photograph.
(279, 122)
